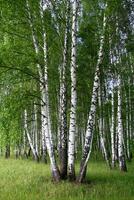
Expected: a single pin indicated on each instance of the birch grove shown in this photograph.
(67, 84)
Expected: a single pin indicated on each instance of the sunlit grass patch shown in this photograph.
(28, 180)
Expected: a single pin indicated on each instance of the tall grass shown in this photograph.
(27, 180)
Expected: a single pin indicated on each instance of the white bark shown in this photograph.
(91, 118)
(112, 131)
(46, 108)
(45, 77)
(122, 163)
(63, 105)
(72, 126)
(101, 127)
(24, 142)
(29, 137)
(36, 129)
(43, 141)
(44, 96)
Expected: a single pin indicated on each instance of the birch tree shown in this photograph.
(91, 118)
(122, 162)
(72, 125)
(44, 96)
(112, 128)
(29, 137)
(101, 127)
(63, 101)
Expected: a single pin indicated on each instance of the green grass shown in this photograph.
(27, 180)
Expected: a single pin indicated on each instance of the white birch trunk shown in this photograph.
(116, 142)
(122, 163)
(29, 137)
(45, 99)
(72, 126)
(24, 143)
(43, 141)
(46, 108)
(112, 131)
(91, 118)
(63, 107)
(32, 127)
(101, 127)
(36, 129)
(43, 6)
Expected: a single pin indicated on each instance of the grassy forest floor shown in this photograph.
(27, 180)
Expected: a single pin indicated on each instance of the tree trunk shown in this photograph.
(101, 128)
(112, 131)
(89, 131)
(91, 118)
(44, 94)
(122, 162)
(43, 141)
(29, 137)
(72, 126)
(45, 108)
(63, 104)
(7, 151)
(36, 129)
